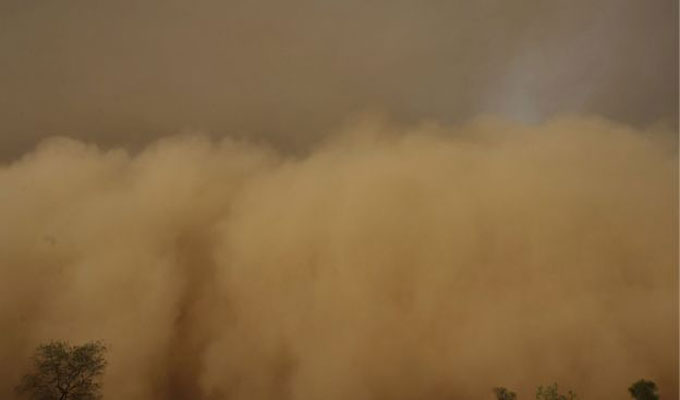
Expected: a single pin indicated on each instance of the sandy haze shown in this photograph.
(124, 72)
(365, 200)
(392, 262)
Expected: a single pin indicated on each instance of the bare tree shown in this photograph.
(65, 372)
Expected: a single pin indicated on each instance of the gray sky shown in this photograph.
(123, 72)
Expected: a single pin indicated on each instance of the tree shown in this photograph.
(504, 394)
(551, 393)
(65, 372)
(643, 390)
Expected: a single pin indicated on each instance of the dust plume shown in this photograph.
(391, 262)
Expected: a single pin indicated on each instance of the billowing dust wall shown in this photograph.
(389, 262)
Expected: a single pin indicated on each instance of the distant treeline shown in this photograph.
(62, 371)
(640, 390)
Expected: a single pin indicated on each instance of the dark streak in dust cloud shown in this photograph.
(191, 330)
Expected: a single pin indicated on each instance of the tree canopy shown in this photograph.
(551, 392)
(504, 394)
(643, 390)
(62, 371)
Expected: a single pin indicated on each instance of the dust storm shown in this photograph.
(390, 261)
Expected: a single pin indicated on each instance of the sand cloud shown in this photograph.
(390, 262)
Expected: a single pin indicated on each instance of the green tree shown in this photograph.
(504, 394)
(551, 392)
(643, 390)
(65, 372)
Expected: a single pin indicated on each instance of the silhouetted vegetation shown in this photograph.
(504, 394)
(62, 371)
(65, 372)
(643, 390)
(640, 390)
(551, 392)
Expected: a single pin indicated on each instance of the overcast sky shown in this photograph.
(123, 72)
